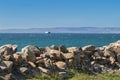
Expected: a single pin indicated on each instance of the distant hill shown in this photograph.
(65, 30)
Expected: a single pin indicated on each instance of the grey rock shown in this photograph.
(30, 53)
(54, 47)
(63, 49)
(89, 48)
(6, 66)
(44, 70)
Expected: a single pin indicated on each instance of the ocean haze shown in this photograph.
(65, 30)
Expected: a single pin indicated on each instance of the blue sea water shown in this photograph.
(67, 39)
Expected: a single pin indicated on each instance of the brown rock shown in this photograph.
(74, 49)
(112, 60)
(67, 55)
(31, 64)
(55, 54)
(61, 65)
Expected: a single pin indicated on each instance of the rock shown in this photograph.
(63, 49)
(6, 65)
(24, 70)
(70, 63)
(17, 58)
(8, 58)
(10, 76)
(117, 64)
(61, 65)
(107, 53)
(40, 63)
(55, 54)
(6, 50)
(47, 49)
(118, 58)
(48, 63)
(35, 72)
(77, 59)
(97, 67)
(63, 75)
(30, 53)
(74, 49)
(14, 48)
(31, 64)
(98, 53)
(67, 55)
(89, 48)
(112, 60)
(44, 70)
(54, 47)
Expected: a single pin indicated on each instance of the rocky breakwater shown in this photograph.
(32, 60)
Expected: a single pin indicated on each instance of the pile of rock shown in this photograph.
(32, 60)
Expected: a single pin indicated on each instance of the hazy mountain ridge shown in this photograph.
(65, 30)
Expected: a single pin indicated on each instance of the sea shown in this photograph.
(67, 39)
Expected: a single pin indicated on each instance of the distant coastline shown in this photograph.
(65, 30)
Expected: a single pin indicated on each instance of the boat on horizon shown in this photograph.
(47, 32)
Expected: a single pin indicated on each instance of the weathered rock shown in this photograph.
(14, 48)
(6, 50)
(98, 53)
(17, 58)
(24, 70)
(61, 65)
(67, 55)
(70, 63)
(54, 47)
(31, 64)
(89, 48)
(48, 63)
(107, 52)
(44, 70)
(74, 49)
(118, 58)
(77, 59)
(10, 76)
(40, 63)
(6, 66)
(47, 49)
(63, 49)
(55, 54)
(30, 52)
(7, 58)
(112, 60)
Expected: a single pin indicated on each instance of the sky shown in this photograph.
(59, 13)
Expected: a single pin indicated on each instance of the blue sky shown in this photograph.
(59, 13)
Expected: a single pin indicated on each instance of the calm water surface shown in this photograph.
(66, 39)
